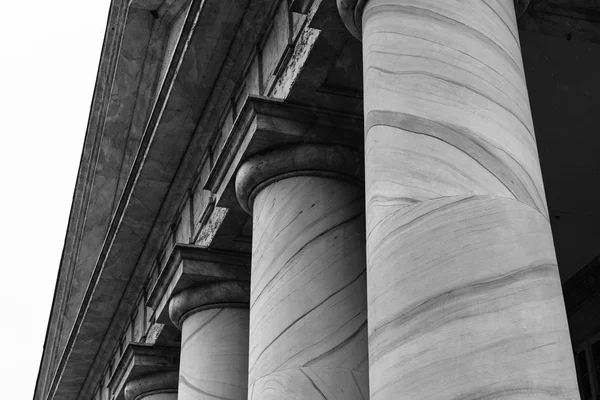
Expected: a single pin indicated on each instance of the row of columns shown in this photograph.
(451, 289)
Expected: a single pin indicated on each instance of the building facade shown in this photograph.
(321, 199)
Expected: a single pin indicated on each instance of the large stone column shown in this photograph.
(465, 298)
(214, 340)
(154, 386)
(308, 322)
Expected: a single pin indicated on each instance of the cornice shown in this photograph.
(83, 188)
(146, 204)
(128, 76)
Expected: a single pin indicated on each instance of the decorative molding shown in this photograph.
(228, 294)
(266, 124)
(308, 159)
(189, 266)
(140, 361)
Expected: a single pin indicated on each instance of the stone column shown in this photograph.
(465, 298)
(154, 386)
(213, 319)
(308, 322)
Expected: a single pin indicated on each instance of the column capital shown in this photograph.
(351, 12)
(265, 124)
(232, 294)
(140, 361)
(158, 382)
(308, 159)
(191, 266)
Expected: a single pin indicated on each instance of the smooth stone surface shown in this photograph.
(214, 355)
(214, 322)
(308, 322)
(464, 293)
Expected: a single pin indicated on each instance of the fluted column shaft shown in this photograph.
(464, 292)
(214, 322)
(308, 325)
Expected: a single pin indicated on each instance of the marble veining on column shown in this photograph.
(449, 103)
(308, 316)
(308, 325)
(214, 340)
(463, 288)
(211, 352)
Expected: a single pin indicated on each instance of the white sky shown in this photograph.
(50, 52)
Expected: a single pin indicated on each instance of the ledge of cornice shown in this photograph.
(116, 277)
